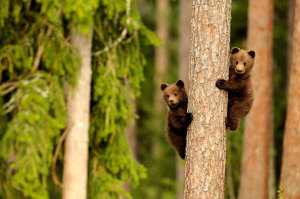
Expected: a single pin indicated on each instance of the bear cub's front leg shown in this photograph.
(221, 84)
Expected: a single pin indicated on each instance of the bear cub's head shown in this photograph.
(174, 94)
(242, 61)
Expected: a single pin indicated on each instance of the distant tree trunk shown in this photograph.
(131, 137)
(290, 172)
(161, 66)
(184, 39)
(184, 53)
(291, 15)
(78, 106)
(206, 140)
(257, 135)
(131, 128)
(161, 52)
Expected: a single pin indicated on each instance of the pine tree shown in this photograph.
(37, 61)
(290, 171)
(258, 130)
(206, 140)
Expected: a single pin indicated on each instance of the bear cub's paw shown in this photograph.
(220, 83)
(189, 117)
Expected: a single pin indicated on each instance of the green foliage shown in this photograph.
(39, 114)
(280, 79)
(154, 151)
(239, 16)
(35, 60)
(117, 77)
(103, 184)
(280, 192)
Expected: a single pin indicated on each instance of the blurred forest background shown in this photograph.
(133, 51)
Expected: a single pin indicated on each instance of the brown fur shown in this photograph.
(240, 95)
(178, 119)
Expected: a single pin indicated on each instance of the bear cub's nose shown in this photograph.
(170, 100)
(239, 71)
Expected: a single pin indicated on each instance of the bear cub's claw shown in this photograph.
(190, 117)
(220, 83)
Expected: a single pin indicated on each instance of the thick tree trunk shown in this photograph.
(78, 104)
(184, 53)
(206, 140)
(258, 123)
(290, 173)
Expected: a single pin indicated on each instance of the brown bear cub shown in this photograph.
(240, 95)
(178, 119)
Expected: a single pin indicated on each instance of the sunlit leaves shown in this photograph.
(39, 115)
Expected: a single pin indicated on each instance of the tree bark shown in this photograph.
(78, 107)
(290, 172)
(258, 123)
(206, 140)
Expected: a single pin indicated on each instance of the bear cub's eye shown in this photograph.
(168, 96)
(237, 62)
(245, 63)
(175, 94)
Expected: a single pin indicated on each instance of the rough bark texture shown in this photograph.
(76, 144)
(184, 53)
(206, 141)
(161, 52)
(258, 123)
(290, 173)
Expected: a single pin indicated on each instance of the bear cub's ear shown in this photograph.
(180, 83)
(163, 86)
(251, 53)
(235, 50)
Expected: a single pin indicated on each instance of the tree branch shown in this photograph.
(123, 34)
(54, 160)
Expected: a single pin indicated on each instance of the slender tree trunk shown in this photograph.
(206, 140)
(184, 53)
(291, 15)
(184, 39)
(78, 104)
(290, 172)
(161, 52)
(258, 128)
(131, 137)
(161, 66)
